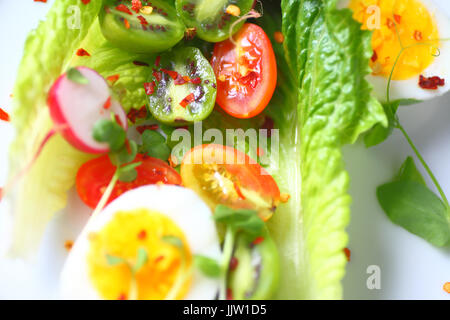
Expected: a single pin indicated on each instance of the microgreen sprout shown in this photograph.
(245, 222)
(141, 260)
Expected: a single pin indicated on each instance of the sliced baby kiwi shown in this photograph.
(155, 27)
(213, 19)
(254, 274)
(182, 87)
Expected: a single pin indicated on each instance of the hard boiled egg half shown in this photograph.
(142, 246)
(411, 40)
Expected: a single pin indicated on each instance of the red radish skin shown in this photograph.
(77, 107)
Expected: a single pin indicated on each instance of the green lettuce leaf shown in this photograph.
(109, 61)
(327, 57)
(50, 51)
(43, 190)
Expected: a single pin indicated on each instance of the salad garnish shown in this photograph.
(407, 200)
(4, 116)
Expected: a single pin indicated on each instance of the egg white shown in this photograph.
(186, 210)
(409, 88)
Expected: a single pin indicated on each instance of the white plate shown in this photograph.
(410, 267)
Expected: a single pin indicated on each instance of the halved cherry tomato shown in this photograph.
(224, 175)
(95, 175)
(246, 72)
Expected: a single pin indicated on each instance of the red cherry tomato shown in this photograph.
(246, 72)
(95, 175)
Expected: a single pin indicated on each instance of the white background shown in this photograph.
(410, 267)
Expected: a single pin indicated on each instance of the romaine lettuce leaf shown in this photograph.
(109, 60)
(43, 190)
(331, 105)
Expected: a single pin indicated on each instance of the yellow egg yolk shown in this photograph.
(398, 24)
(166, 266)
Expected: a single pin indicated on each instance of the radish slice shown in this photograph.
(76, 108)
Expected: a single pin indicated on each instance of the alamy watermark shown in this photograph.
(263, 144)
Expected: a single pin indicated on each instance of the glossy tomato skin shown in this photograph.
(94, 176)
(246, 72)
(223, 175)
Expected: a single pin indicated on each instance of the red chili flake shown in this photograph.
(122, 296)
(113, 78)
(149, 87)
(258, 240)
(157, 75)
(40, 1)
(157, 61)
(118, 120)
(390, 23)
(142, 235)
(398, 18)
(189, 98)
(142, 20)
(260, 152)
(268, 125)
(127, 24)
(136, 5)
(82, 53)
(107, 104)
(137, 113)
(68, 245)
(233, 263)
(374, 56)
(142, 113)
(418, 35)
(348, 253)
(278, 36)
(229, 294)
(124, 8)
(173, 74)
(196, 80)
(4, 115)
(431, 83)
(159, 258)
(141, 129)
(1, 194)
(86, 1)
(140, 63)
(238, 190)
(127, 146)
(179, 80)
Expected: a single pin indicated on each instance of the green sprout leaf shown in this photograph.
(76, 76)
(114, 260)
(243, 220)
(409, 172)
(207, 266)
(110, 132)
(128, 173)
(141, 260)
(154, 145)
(128, 176)
(124, 155)
(380, 133)
(173, 240)
(409, 203)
